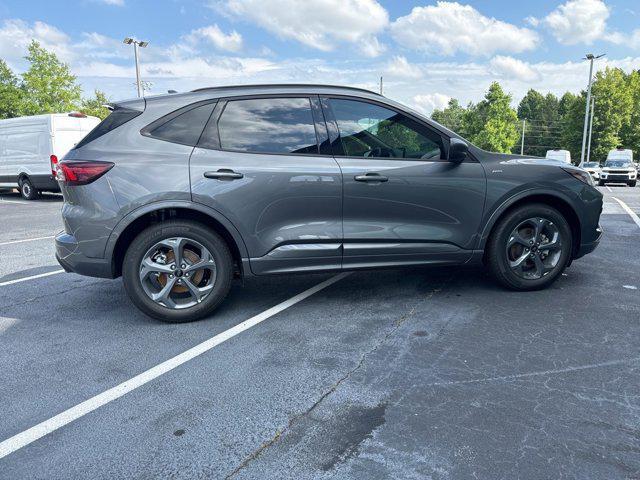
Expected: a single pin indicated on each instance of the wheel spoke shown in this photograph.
(518, 239)
(177, 247)
(164, 295)
(150, 266)
(518, 263)
(206, 261)
(553, 244)
(198, 293)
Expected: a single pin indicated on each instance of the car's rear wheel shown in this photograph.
(529, 247)
(177, 271)
(27, 190)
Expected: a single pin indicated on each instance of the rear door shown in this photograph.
(258, 163)
(404, 203)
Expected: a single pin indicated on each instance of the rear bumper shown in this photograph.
(45, 182)
(72, 260)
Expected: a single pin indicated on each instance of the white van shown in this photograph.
(30, 145)
(563, 156)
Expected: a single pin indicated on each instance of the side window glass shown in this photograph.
(268, 125)
(368, 130)
(186, 127)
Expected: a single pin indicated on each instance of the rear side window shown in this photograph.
(268, 125)
(118, 117)
(184, 128)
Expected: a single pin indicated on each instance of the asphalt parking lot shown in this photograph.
(412, 373)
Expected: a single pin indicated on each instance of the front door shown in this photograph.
(258, 163)
(404, 203)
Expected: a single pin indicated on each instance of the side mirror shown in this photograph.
(458, 150)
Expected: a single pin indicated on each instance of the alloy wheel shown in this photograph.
(177, 273)
(534, 248)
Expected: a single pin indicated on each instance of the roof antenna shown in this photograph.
(380, 85)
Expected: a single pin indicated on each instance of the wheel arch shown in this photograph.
(135, 222)
(552, 199)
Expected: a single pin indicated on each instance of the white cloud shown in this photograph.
(510, 67)
(16, 35)
(231, 42)
(401, 68)
(578, 21)
(429, 102)
(449, 27)
(117, 3)
(320, 24)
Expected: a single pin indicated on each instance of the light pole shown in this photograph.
(591, 57)
(593, 106)
(136, 44)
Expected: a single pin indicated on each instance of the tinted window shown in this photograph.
(118, 117)
(268, 125)
(186, 127)
(368, 130)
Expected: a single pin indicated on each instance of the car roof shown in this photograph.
(287, 88)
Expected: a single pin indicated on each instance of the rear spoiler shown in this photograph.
(138, 104)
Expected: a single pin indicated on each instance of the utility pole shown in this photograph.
(593, 104)
(380, 85)
(591, 57)
(524, 122)
(136, 44)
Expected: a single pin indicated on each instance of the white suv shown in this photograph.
(619, 168)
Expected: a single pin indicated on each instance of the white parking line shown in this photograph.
(32, 277)
(631, 213)
(609, 188)
(27, 240)
(26, 437)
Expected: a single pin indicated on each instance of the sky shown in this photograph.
(426, 51)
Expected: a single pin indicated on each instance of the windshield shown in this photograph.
(617, 163)
(591, 164)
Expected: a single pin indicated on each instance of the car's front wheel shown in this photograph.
(529, 247)
(177, 271)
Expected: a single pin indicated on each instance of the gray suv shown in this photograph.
(180, 193)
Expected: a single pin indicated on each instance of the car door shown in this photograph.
(403, 202)
(258, 163)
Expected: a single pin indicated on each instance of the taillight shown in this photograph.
(54, 166)
(82, 172)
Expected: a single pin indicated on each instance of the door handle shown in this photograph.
(223, 174)
(371, 177)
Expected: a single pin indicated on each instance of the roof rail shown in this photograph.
(284, 85)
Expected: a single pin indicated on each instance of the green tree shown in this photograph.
(630, 132)
(450, 116)
(95, 106)
(48, 84)
(11, 95)
(542, 126)
(571, 111)
(492, 123)
(613, 106)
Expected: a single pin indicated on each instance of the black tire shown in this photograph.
(27, 190)
(218, 249)
(600, 183)
(497, 260)
(632, 183)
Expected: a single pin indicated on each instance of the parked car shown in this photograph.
(31, 146)
(619, 168)
(179, 193)
(563, 156)
(593, 168)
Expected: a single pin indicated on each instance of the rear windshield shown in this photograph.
(119, 116)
